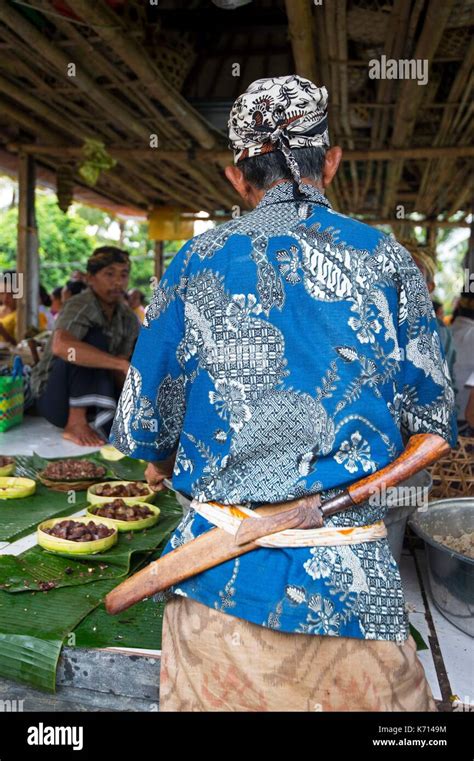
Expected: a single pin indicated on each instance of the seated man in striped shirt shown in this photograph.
(79, 377)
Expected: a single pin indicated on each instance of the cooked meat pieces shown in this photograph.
(463, 544)
(119, 511)
(5, 461)
(70, 470)
(79, 532)
(133, 489)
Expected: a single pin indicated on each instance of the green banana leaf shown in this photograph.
(34, 624)
(19, 517)
(419, 641)
(35, 567)
(126, 469)
(138, 627)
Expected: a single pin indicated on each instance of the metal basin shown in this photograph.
(451, 574)
(400, 508)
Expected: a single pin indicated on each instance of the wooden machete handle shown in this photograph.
(422, 450)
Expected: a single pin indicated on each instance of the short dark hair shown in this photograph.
(44, 296)
(263, 170)
(105, 255)
(56, 294)
(465, 306)
(75, 286)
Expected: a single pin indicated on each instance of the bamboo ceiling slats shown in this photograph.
(404, 142)
(410, 95)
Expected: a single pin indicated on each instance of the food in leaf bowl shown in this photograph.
(63, 475)
(130, 491)
(7, 465)
(125, 517)
(78, 536)
(16, 488)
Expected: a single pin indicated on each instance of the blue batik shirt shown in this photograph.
(284, 353)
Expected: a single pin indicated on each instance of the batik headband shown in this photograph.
(104, 256)
(280, 113)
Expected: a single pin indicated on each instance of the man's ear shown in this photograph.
(237, 180)
(331, 164)
(250, 195)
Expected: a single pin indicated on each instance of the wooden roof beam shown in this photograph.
(300, 27)
(105, 22)
(411, 94)
(82, 80)
(32, 36)
(157, 154)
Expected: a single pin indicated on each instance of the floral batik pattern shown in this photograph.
(287, 352)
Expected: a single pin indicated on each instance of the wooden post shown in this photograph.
(159, 254)
(431, 235)
(27, 253)
(300, 28)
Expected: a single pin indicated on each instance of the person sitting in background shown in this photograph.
(469, 411)
(5, 308)
(79, 377)
(45, 307)
(463, 337)
(72, 288)
(438, 310)
(8, 324)
(136, 302)
(425, 259)
(80, 276)
(56, 301)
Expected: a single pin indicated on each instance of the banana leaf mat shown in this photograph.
(126, 469)
(19, 517)
(38, 570)
(138, 627)
(34, 624)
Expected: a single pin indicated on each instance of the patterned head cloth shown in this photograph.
(279, 113)
(104, 256)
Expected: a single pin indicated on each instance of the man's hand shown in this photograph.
(124, 364)
(156, 472)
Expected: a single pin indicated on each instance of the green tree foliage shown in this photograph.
(67, 240)
(64, 244)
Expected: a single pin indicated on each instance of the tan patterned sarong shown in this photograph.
(212, 661)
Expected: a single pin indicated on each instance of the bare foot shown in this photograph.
(84, 435)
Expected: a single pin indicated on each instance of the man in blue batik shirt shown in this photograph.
(287, 352)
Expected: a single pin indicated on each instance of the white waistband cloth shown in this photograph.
(229, 518)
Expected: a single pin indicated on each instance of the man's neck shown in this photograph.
(108, 309)
(257, 195)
